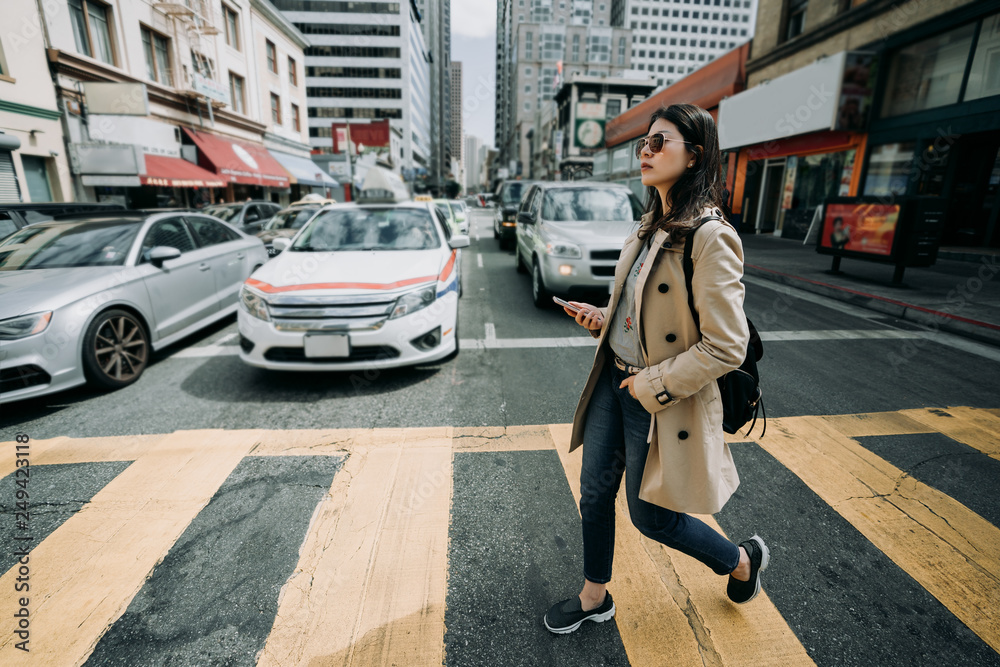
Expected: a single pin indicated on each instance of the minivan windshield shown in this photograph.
(368, 229)
(581, 204)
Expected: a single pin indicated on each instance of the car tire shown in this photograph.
(518, 263)
(107, 361)
(539, 295)
(505, 244)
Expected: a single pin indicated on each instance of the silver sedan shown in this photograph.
(90, 298)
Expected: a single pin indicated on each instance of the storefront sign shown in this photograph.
(791, 167)
(120, 99)
(210, 88)
(867, 228)
(153, 137)
(110, 181)
(588, 130)
(120, 159)
(799, 102)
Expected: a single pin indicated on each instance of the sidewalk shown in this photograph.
(960, 297)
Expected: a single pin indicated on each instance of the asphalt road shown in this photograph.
(513, 534)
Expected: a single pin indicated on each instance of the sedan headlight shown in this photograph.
(24, 326)
(254, 304)
(557, 249)
(414, 301)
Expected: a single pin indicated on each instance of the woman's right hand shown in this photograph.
(589, 317)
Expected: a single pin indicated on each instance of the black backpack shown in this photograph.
(740, 388)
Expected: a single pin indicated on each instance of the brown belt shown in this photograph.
(622, 366)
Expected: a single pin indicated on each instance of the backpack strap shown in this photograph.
(689, 266)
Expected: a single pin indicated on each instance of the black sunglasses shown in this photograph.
(655, 143)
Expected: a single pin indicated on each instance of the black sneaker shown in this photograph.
(744, 591)
(568, 615)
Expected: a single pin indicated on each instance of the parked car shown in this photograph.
(508, 199)
(248, 216)
(569, 235)
(461, 209)
(286, 224)
(14, 216)
(91, 298)
(361, 287)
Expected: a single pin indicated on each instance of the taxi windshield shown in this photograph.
(368, 229)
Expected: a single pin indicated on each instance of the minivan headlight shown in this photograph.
(414, 301)
(569, 250)
(254, 304)
(24, 325)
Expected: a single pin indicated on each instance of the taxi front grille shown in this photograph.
(355, 313)
(360, 353)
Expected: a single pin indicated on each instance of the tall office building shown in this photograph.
(437, 35)
(533, 37)
(455, 107)
(473, 163)
(671, 38)
(368, 60)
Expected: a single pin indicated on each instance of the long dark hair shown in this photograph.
(699, 186)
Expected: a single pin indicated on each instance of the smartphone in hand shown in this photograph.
(566, 304)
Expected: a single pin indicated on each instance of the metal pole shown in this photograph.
(350, 170)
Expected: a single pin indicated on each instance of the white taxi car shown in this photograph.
(360, 286)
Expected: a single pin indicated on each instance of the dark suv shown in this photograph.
(16, 215)
(508, 200)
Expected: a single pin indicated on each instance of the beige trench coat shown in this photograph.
(689, 467)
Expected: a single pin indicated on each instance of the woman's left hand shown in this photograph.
(630, 383)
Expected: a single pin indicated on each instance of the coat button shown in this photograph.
(663, 287)
(671, 338)
(683, 435)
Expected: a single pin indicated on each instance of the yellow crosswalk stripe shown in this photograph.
(979, 429)
(370, 586)
(948, 549)
(674, 610)
(86, 572)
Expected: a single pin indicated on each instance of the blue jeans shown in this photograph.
(614, 442)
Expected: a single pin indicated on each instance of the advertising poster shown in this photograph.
(865, 228)
(788, 193)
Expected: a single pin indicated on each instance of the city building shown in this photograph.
(367, 61)
(539, 44)
(878, 99)
(33, 164)
(437, 35)
(672, 39)
(473, 164)
(455, 117)
(180, 103)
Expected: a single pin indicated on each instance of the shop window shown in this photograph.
(889, 169)
(984, 78)
(808, 181)
(91, 22)
(157, 50)
(236, 93)
(232, 23)
(927, 74)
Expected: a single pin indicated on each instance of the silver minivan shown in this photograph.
(569, 235)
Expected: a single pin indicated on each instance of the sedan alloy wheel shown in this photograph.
(116, 349)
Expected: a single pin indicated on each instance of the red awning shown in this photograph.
(238, 161)
(177, 173)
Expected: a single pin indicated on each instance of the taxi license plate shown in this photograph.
(328, 345)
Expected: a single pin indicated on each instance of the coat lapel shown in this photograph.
(658, 240)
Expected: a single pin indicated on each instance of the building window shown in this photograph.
(92, 29)
(796, 18)
(929, 73)
(621, 50)
(232, 27)
(157, 50)
(528, 46)
(984, 78)
(296, 123)
(275, 109)
(576, 48)
(293, 75)
(272, 56)
(889, 169)
(236, 93)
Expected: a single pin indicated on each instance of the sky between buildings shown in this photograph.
(473, 43)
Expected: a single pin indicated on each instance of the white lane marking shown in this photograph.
(226, 338)
(479, 259)
(491, 333)
(835, 334)
(207, 351)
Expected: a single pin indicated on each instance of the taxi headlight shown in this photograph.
(563, 250)
(254, 304)
(24, 326)
(414, 301)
